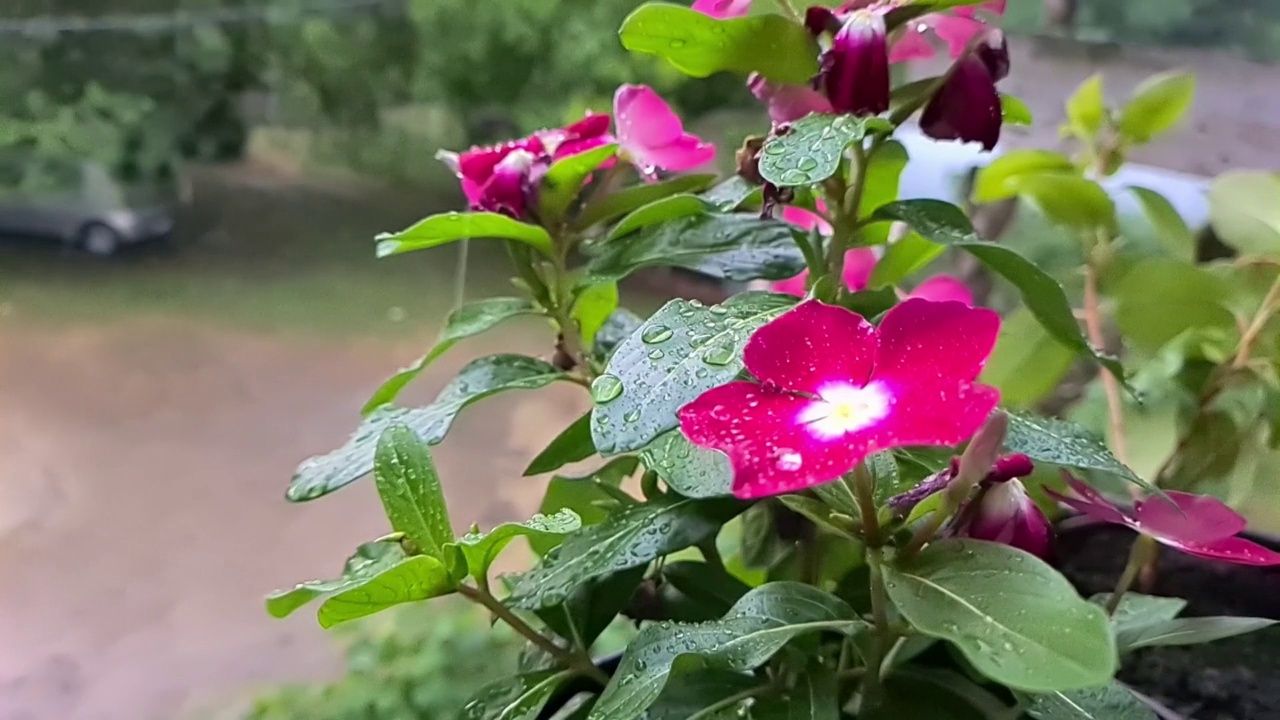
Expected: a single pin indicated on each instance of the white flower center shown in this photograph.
(842, 408)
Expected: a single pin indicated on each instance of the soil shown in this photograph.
(1236, 679)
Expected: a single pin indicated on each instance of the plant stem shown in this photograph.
(1142, 552)
(576, 661)
(926, 532)
(789, 10)
(1110, 386)
(846, 226)
(864, 492)
(872, 690)
(1259, 323)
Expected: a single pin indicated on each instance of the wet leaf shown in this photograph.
(629, 537)
(409, 487)
(443, 229)
(710, 587)
(466, 321)
(690, 692)
(322, 474)
(412, 579)
(1171, 229)
(729, 195)
(1138, 611)
(884, 174)
(681, 352)
(572, 445)
(1244, 206)
(1161, 298)
(811, 150)
(1108, 702)
(565, 178)
(914, 692)
(617, 204)
(1017, 620)
(1064, 443)
(1027, 363)
(1014, 111)
(368, 560)
(1157, 105)
(521, 697)
(592, 308)
(755, 628)
(946, 224)
(479, 550)
(658, 211)
(700, 46)
(904, 258)
(1144, 621)
(592, 496)
(998, 180)
(815, 696)
(688, 469)
(617, 328)
(739, 246)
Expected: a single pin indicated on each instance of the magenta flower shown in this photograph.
(967, 106)
(955, 29)
(854, 72)
(723, 9)
(1195, 524)
(653, 136)
(833, 389)
(1003, 512)
(788, 103)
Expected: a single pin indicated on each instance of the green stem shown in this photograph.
(872, 689)
(575, 661)
(864, 491)
(926, 532)
(1143, 550)
(845, 215)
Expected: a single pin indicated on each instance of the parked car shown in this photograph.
(81, 204)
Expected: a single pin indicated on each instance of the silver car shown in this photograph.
(81, 204)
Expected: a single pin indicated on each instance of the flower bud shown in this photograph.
(1003, 512)
(854, 73)
(967, 106)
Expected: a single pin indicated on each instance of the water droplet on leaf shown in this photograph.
(656, 334)
(606, 388)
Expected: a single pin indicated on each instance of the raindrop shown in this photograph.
(718, 355)
(656, 334)
(631, 416)
(606, 388)
(656, 354)
(718, 310)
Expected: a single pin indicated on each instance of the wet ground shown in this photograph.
(143, 459)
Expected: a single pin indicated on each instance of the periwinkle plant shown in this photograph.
(829, 486)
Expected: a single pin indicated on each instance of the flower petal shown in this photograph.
(684, 153)
(923, 342)
(956, 31)
(1190, 518)
(644, 119)
(943, 288)
(788, 103)
(1232, 549)
(995, 7)
(804, 219)
(812, 345)
(859, 263)
(1087, 501)
(723, 9)
(792, 286)
(912, 45)
(772, 451)
(1004, 513)
(931, 411)
(855, 71)
(966, 107)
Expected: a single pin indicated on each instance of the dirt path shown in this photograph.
(141, 515)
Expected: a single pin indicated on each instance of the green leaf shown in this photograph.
(630, 537)
(1171, 229)
(883, 467)
(688, 469)
(1137, 611)
(1017, 620)
(914, 692)
(946, 224)
(811, 150)
(658, 211)
(369, 560)
(1068, 200)
(466, 321)
(1014, 111)
(615, 205)
(1161, 298)
(688, 693)
(739, 246)
(593, 606)
(409, 486)
(904, 258)
(322, 474)
(442, 229)
(1108, 702)
(1087, 108)
(521, 697)
(565, 178)
(592, 496)
(412, 579)
(755, 628)
(572, 445)
(1244, 206)
(1059, 442)
(815, 696)
(617, 328)
(481, 549)
(1157, 105)
(681, 352)
(884, 174)
(998, 180)
(732, 193)
(1027, 363)
(710, 587)
(1188, 631)
(592, 309)
(700, 46)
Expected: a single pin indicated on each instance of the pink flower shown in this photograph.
(504, 178)
(788, 103)
(967, 106)
(723, 9)
(859, 263)
(955, 30)
(1003, 512)
(833, 389)
(653, 136)
(1195, 524)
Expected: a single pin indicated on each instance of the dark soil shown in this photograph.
(1236, 679)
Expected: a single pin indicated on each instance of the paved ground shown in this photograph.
(141, 510)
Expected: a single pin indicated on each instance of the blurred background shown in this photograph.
(189, 304)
